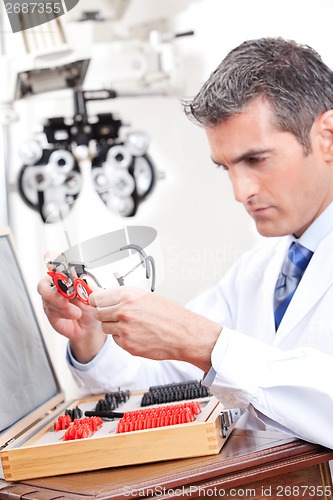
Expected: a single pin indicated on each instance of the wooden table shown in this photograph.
(252, 464)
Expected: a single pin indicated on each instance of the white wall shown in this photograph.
(201, 229)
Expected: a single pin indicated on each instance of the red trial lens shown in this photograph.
(82, 290)
(63, 284)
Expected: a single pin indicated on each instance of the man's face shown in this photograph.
(283, 190)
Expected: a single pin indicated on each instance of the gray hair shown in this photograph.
(291, 77)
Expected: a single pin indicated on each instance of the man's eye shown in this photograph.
(255, 160)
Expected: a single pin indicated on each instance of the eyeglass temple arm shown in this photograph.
(150, 269)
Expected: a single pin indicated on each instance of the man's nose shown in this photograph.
(244, 186)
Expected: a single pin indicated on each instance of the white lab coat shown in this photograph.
(286, 376)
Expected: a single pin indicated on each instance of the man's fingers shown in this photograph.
(105, 298)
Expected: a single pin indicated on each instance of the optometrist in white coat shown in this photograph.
(285, 376)
(272, 132)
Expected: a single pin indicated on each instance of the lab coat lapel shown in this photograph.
(317, 278)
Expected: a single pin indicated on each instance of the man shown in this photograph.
(262, 341)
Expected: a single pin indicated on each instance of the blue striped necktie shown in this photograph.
(291, 273)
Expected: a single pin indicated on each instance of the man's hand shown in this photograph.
(74, 320)
(147, 325)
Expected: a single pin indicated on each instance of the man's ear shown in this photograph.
(325, 129)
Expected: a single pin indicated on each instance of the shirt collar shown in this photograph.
(318, 229)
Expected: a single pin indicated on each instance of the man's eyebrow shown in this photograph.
(252, 153)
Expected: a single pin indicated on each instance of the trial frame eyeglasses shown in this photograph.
(72, 279)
